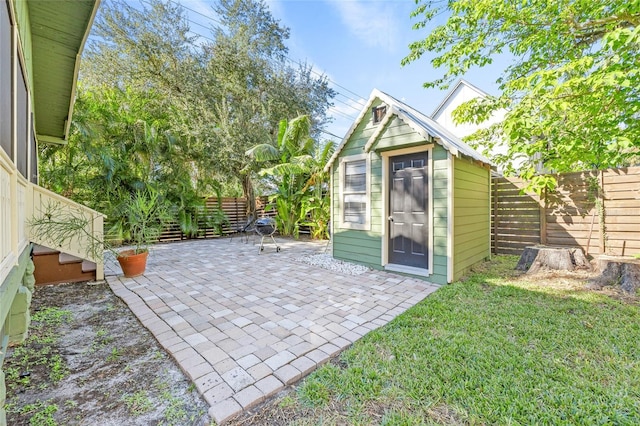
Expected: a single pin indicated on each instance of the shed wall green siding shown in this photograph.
(398, 134)
(359, 246)
(440, 214)
(365, 246)
(471, 216)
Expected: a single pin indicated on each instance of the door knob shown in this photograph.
(390, 218)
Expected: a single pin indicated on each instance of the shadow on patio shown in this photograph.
(243, 325)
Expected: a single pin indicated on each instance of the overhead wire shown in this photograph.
(360, 100)
(212, 19)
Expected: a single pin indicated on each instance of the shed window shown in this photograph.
(379, 113)
(354, 192)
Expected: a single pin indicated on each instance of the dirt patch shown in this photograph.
(88, 360)
(578, 280)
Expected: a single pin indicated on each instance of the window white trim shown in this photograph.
(385, 209)
(367, 193)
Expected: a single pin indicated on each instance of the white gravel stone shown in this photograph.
(326, 261)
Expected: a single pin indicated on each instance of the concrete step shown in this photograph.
(88, 266)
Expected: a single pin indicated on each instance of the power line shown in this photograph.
(359, 100)
(359, 97)
(330, 134)
(343, 114)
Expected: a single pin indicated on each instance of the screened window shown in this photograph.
(354, 193)
(5, 79)
(34, 155)
(22, 122)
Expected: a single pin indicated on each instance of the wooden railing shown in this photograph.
(44, 201)
(20, 200)
(9, 250)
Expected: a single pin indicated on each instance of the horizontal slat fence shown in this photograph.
(571, 215)
(598, 211)
(515, 218)
(622, 210)
(235, 211)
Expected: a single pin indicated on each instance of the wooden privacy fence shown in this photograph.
(235, 210)
(598, 211)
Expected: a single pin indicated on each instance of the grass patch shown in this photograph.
(175, 411)
(493, 349)
(39, 414)
(39, 350)
(138, 402)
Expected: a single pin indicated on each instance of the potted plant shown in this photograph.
(141, 220)
(143, 215)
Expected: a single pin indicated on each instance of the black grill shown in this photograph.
(266, 227)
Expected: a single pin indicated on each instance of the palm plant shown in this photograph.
(294, 166)
(316, 204)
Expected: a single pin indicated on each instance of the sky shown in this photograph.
(358, 45)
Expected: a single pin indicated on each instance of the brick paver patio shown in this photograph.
(243, 325)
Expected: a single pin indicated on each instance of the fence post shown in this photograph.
(495, 214)
(601, 213)
(543, 217)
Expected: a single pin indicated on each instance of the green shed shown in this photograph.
(408, 196)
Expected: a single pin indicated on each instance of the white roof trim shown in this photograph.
(381, 126)
(422, 124)
(365, 109)
(461, 82)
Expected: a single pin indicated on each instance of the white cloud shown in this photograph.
(375, 23)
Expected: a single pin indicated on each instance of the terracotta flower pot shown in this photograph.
(133, 264)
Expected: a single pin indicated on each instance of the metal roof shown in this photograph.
(418, 121)
(59, 29)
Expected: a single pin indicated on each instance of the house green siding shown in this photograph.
(15, 298)
(471, 215)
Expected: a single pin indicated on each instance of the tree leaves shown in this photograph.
(572, 91)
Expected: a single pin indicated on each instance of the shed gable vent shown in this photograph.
(379, 113)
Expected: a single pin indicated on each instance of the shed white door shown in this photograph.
(408, 217)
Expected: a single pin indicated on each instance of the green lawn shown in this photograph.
(493, 349)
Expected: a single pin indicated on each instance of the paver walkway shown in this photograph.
(243, 325)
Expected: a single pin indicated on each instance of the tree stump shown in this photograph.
(536, 258)
(618, 271)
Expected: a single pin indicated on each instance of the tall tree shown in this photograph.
(215, 98)
(572, 92)
(257, 86)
